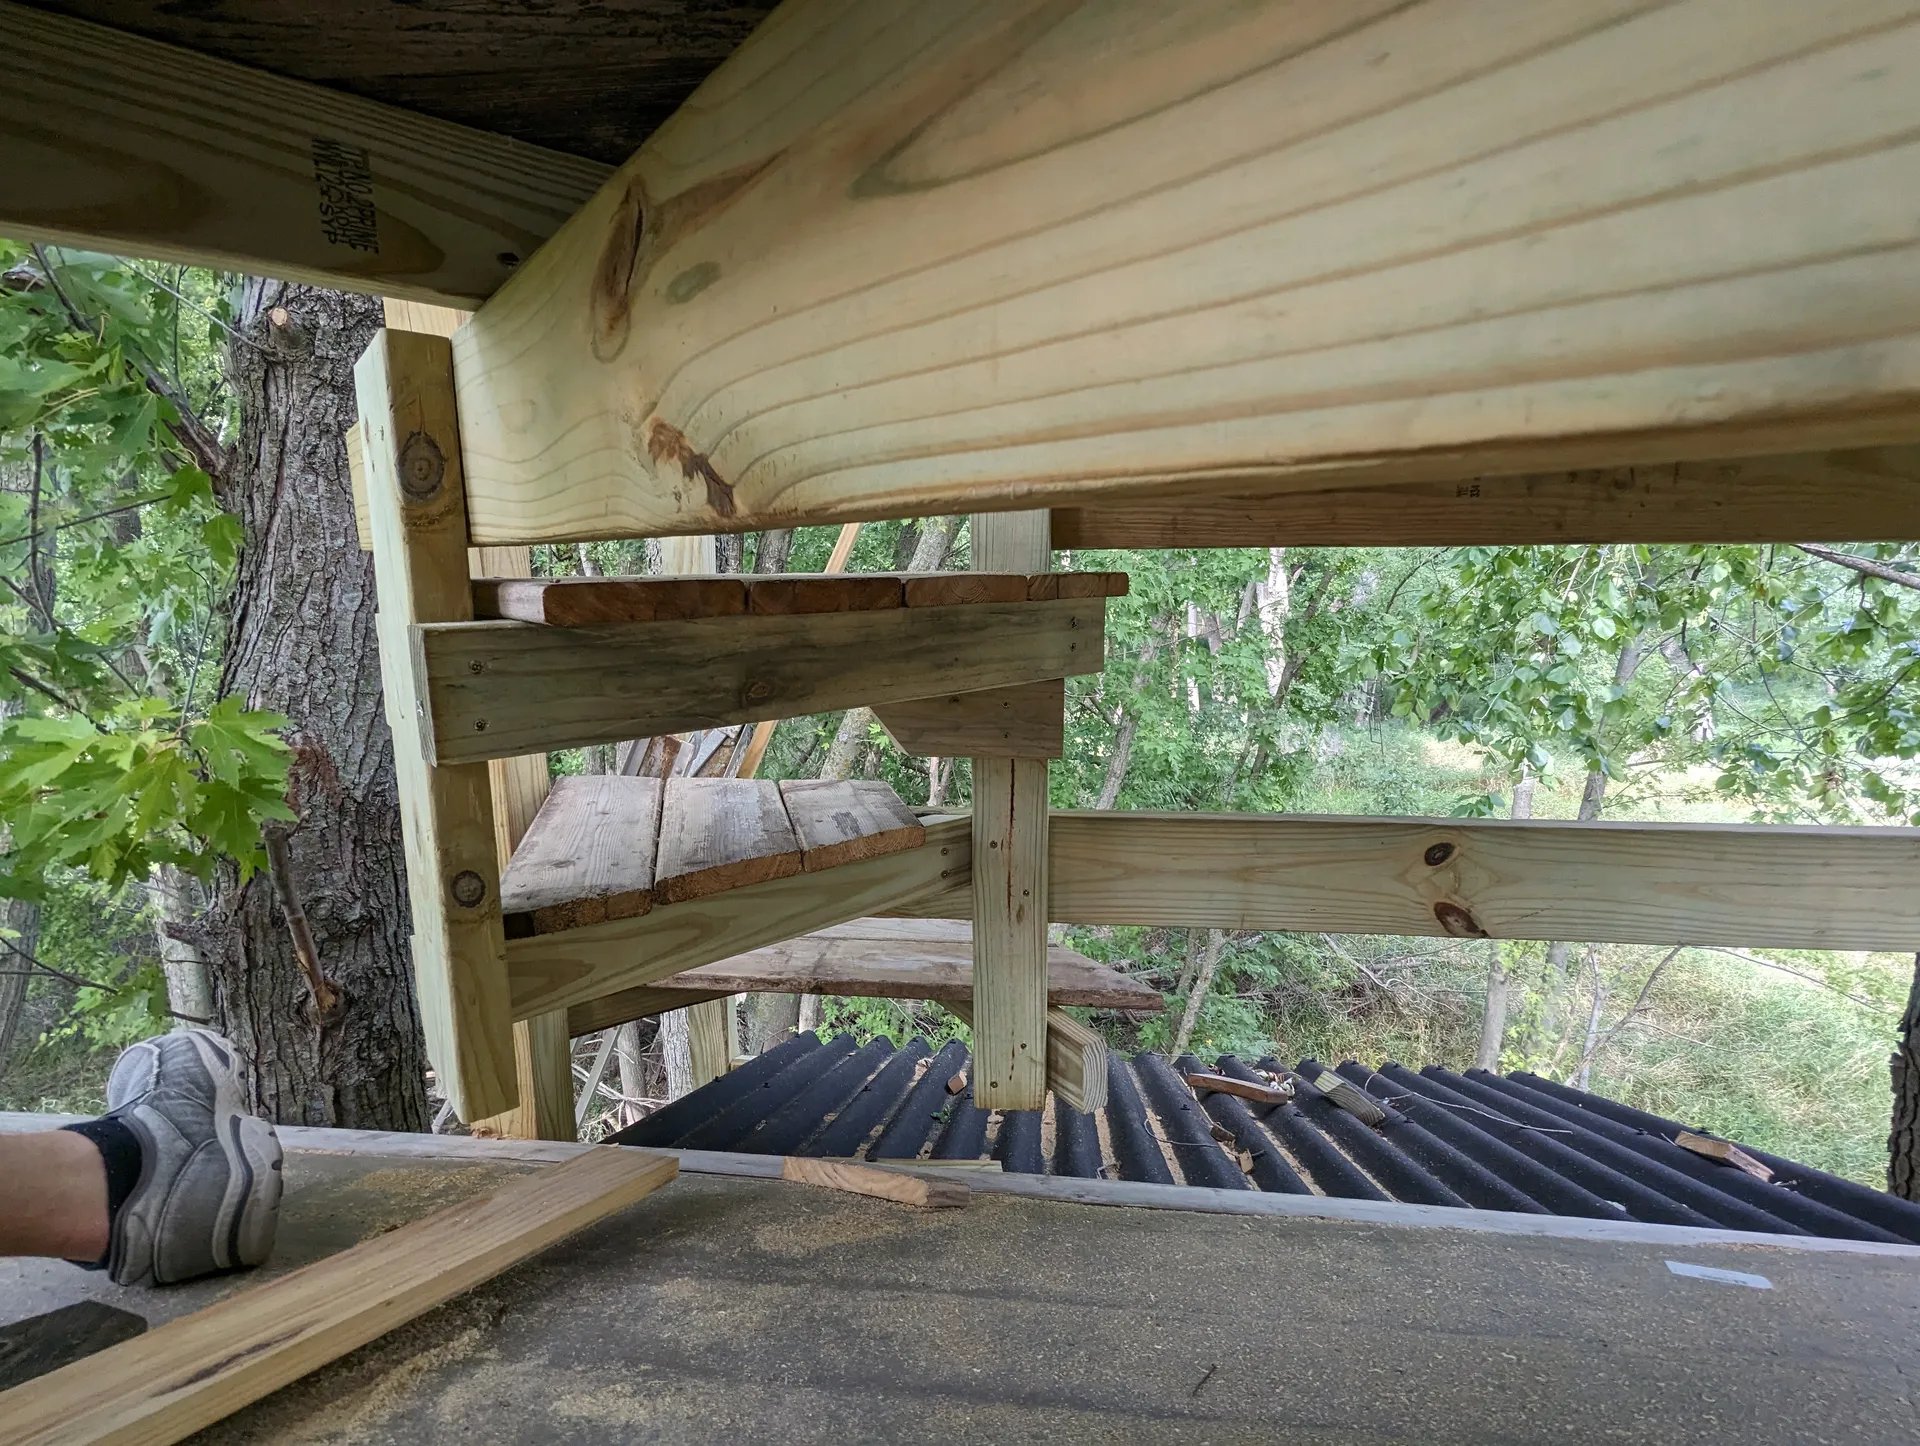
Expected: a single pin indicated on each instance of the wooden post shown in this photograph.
(417, 505)
(1010, 873)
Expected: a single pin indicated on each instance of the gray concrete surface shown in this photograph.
(730, 1310)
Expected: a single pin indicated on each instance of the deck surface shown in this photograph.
(731, 1309)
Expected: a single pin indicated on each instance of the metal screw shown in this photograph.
(468, 888)
(476, 666)
(479, 725)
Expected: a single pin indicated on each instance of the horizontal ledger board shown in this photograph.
(494, 690)
(937, 258)
(1627, 883)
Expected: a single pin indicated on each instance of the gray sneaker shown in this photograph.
(209, 1191)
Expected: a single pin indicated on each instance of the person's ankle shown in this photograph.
(115, 1151)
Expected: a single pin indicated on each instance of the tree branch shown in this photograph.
(326, 994)
(1863, 565)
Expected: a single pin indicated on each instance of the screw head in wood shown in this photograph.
(423, 467)
(479, 725)
(468, 888)
(1439, 853)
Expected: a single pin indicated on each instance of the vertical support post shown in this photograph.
(417, 504)
(1010, 873)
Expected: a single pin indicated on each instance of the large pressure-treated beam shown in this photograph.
(404, 385)
(1627, 883)
(493, 689)
(1814, 497)
(921, 259)
(127, 145)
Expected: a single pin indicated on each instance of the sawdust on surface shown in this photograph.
(387, 1199)
(852, 1220)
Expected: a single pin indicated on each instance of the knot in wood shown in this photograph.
(757, 690)
(1439, 853)
(423, 467)
(469, 889)
(1457, 921)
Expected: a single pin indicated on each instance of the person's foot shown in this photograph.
(208, 1196)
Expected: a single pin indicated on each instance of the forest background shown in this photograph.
(192, 755)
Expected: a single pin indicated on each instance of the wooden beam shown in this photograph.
(587, 602)
(996, 258)
(1010, 873)
(841, 821)
(865, 958)
(756, 749)
(127, 145)
(1813, 497)
(198, 1369)
(554, 971)
(709, 1040)
(1027, 721)
(502, 688)
(1626, 883)
(1076, 1058)
(405, 389)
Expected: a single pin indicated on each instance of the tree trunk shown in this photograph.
(676, 1054)
(1493, 1019)
(300, 640)
(771, 1019)
(176, 904)
(632, 1064)
(1594, 1040)
(775, 547)
(1120, 761)
(1903, 1141)
(21, 921)
(809, 1012)
(1202, 982)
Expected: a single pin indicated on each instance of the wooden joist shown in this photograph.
(1627, 883)
(1814, 497)
(191, 1372)
(588, 857)
(839, 822)
(554, 971)
(127, 145)
(1027, 721)
(867, 958)
(1000, 258)
(493, 689)
(1076, 1058)
(722, 833)
(405, 389)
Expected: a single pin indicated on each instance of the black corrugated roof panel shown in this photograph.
(1474, 1140)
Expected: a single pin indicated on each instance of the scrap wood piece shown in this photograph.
(584, 602)
(1725, 1151)
(722, 833)
(841, 822)
(185, 1375)
(1226, 1084)
(1349, 1097)
(587, 857)
(1076, 1057)
(956, 1082)
(880, 1184)
(915, 1162)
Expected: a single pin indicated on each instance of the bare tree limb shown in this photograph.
(326, 993)
(1864, 565)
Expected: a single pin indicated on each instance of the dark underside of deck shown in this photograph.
(733, 1309)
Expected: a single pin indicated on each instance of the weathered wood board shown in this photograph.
(588, 857)
(722, 833)
(840, 822)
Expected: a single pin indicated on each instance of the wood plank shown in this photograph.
(1010, 818)
(950, 589)
(585, 602)
(138, 148)
(502, 688)
(1745, 885)
(790, 594)
(1839, 496)
(1002, 259)
(1048, 586)
(838, 822)
(1076, 1058)
(905, 1189)
(589, 856)
(722, 833)
(1226, 1084)
(198, 1369)
(1026, 721)
(878, 959)
(709, 1041)
(405, 389)
(553, 971)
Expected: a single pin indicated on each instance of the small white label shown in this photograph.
(1724, 1277)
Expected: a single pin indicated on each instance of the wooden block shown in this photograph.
(1350, 1097)
(1834, 496)
(495, 689)
(880, 960)
(416, 508)
(1052, 586)
(880, 1184)
(284, 178)
(589, 856)
(722, 833)
(196, 1370)
(801, 593)
(840, 822)
(585, 602)
(1226, 1084)
(710, 1040)
(1076, 1058)
(1725, 1151)
(949, 589)
(553, 971)
(1025, 721)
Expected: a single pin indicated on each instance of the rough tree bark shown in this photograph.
(300, 641)
(1903, 1141)
(1493, 1017)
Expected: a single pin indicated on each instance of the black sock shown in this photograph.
(119, 1151)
